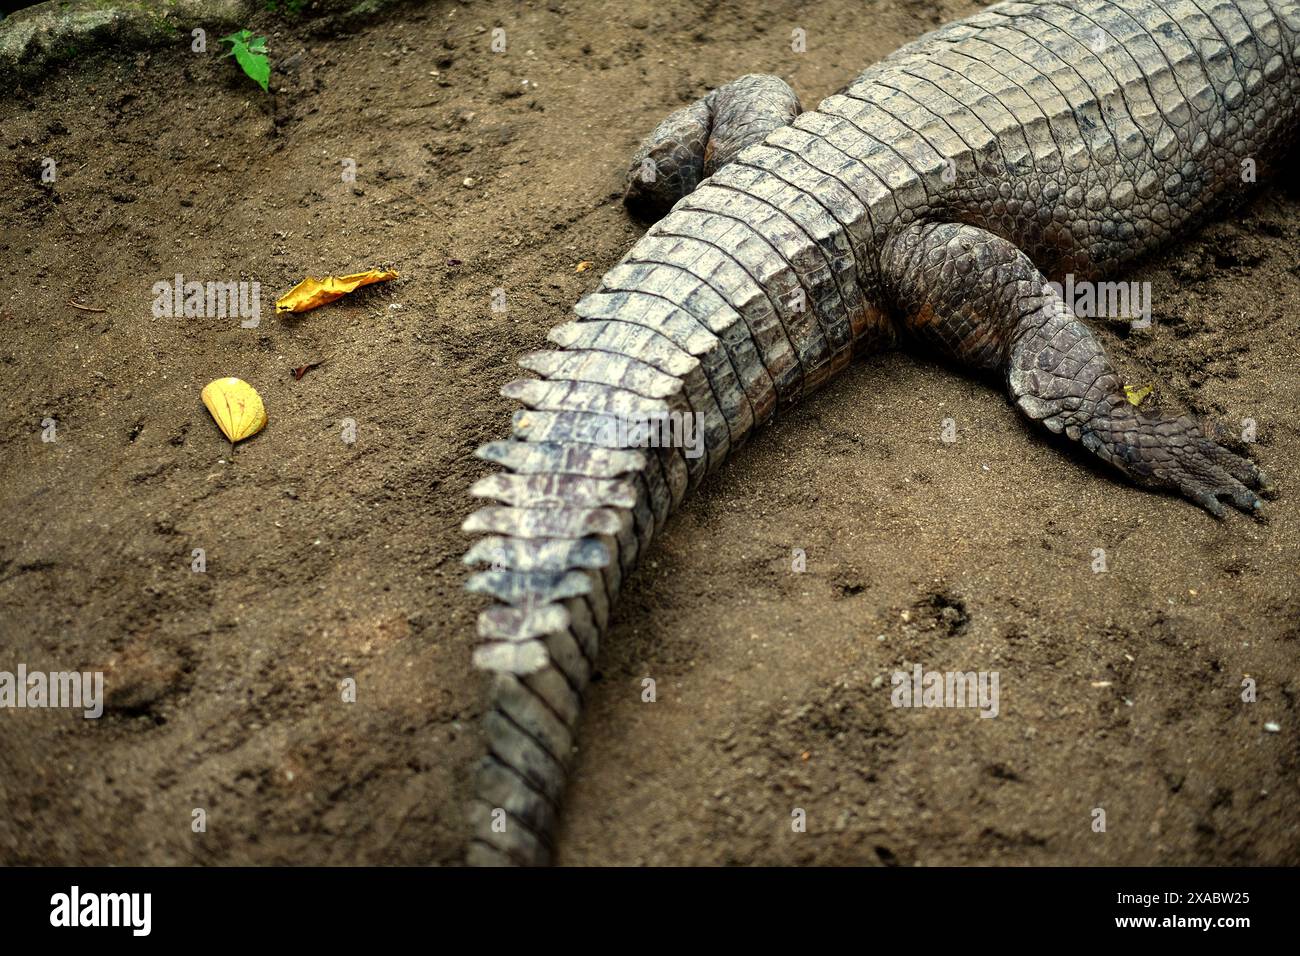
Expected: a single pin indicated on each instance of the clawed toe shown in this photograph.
(1246, 500)
(1241, 469)
(1218, 473)
(1205, 497)
(1208, 497)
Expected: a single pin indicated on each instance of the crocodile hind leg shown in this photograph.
(697, 140)
(981, 300)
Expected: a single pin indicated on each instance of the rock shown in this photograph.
(34, 39)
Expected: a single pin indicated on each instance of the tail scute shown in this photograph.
(566, 520)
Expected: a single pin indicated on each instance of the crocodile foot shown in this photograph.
(1174, 453)
(698, 140)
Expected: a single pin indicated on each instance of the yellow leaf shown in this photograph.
(583, 266)
(236, 406)
(1135, 393)
(311, 292)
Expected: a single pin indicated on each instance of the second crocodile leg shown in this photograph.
(697, 140)
(980, 299)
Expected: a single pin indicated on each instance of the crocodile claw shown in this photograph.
(1174, 453)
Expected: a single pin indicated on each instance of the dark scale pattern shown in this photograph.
(934, 197)
(700, 139)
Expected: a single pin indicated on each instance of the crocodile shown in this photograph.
(940, 198)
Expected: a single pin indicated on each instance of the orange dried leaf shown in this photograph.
(312, 292)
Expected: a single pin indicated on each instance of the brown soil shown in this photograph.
(328, 560)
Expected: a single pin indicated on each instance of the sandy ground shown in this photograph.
(328, 560)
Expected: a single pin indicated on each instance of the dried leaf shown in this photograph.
(302, 370)
(236, 406)
(1136, 393)
(311, 292)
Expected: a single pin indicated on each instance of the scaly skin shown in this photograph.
(698, 140)
(934, 197)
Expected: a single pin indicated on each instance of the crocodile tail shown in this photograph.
(654, 384)
(575, 507)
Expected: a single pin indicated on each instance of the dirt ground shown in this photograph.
(328, 560)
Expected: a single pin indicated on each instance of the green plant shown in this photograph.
(250, 53)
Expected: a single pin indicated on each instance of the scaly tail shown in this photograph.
(655, 353)
(576, 511)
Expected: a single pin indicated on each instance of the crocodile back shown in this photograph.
(1087, 133)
